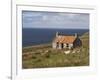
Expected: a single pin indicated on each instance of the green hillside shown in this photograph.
(43, 56)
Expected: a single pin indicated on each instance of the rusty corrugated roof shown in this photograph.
(64, 39)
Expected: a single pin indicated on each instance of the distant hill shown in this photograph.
(85, 35)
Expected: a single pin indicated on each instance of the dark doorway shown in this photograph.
(62, 45)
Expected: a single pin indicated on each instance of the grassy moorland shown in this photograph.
(43, 56)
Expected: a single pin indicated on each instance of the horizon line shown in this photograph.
(53, 28)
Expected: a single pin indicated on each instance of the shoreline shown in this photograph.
(39, 45)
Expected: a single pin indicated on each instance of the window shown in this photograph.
(57, 44)
(67, 45)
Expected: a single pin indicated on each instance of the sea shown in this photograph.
(37, 36)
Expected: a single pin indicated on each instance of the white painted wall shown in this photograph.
(54, 45)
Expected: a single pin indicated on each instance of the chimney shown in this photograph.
(76, 35)
(57, 34)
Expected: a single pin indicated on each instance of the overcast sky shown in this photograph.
(36, 19)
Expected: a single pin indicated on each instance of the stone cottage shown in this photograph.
(66, 42)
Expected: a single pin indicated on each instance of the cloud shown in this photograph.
(55, 20)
